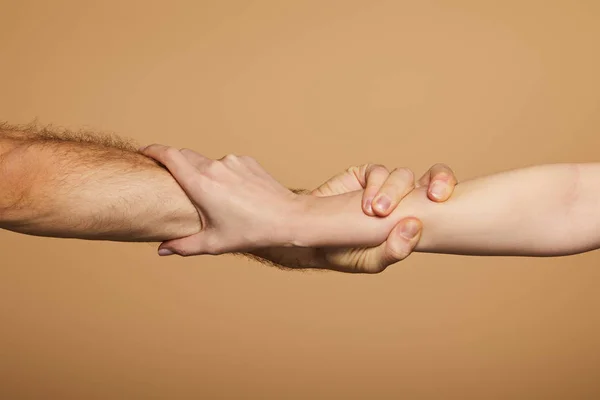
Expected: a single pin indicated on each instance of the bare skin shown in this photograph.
(98, 187)
(226, 186)
(545, 210)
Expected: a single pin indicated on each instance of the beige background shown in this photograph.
(308, 88)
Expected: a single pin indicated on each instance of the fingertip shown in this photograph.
(165, 252)
(380, 213)
(368, 207)
(382, 205)
(403, 239)
(409, 229)
(439, 191)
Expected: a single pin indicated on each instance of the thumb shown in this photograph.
(401, 241)
(204, 242)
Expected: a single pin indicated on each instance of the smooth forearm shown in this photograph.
(90, 191)
(522, 212)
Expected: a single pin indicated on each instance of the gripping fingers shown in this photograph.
(398, 184)
(176, 162)
(440, 180)
(401, 241)
(196, 159)
(205, 242)
(374, 176)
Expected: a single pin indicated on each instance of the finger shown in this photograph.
(437, 171)
(201, 243)
(373, 177)
(196, 159)
(253, 165)
(341, 183)
(230, 159)
(178, 165)
(400, 242)
(399, 183)
(440, 181)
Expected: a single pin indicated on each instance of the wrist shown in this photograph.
(329, 221)
(299, 221)
(339, 221)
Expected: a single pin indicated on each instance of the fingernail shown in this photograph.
(383, 203)
(438, 190)
(142, 148)
(368, 203)
(165, 252)
(409, 229)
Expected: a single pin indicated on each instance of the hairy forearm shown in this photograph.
(535, 211)
(88, 189)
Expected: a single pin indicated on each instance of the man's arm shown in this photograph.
(78, 185)
(92, 186)
(545, 210)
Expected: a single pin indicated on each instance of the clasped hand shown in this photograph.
(242, 208)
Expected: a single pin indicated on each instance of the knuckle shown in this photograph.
(398, 186)
(378, 168)
(377, 171)
(394, 192)
(183, 252)
(214, 168)
(400, 251)
(231, 159)
(405, 174)
(358, 172)
(187, 152)
(353, 169)
(170, 153)
(376, 175)
(400, 254)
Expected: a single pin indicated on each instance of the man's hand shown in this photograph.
(383, 191)
(241, 206)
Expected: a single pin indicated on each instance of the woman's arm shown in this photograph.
(546, 210)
